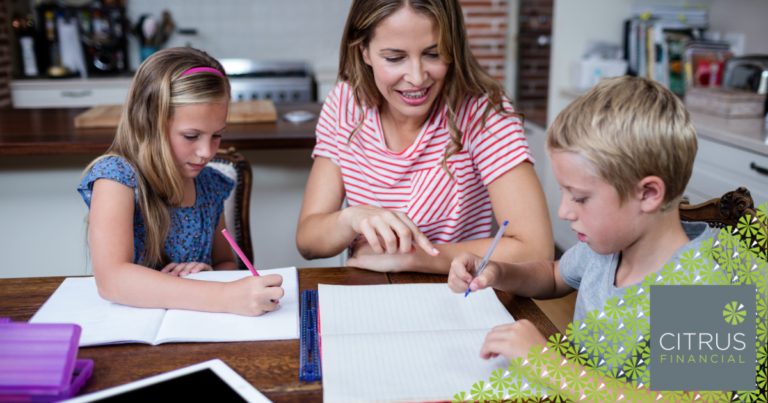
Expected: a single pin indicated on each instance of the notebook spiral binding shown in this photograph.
(309, 357)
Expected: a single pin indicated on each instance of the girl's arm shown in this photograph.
(119, 280)
(325, 229)
(222, 257)
(516, 196)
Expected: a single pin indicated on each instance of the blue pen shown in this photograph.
(487, 257)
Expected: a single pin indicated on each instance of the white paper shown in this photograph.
(404, 342)
(77, 301)
(281, 324)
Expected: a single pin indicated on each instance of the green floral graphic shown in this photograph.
(734, 313)
(607, 357)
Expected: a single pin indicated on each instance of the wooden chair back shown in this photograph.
(237, 206)
(723, 212)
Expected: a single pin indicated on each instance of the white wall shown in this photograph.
(282, 30)
(41, 213)
(749, 17)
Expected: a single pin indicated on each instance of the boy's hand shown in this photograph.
(254, 296)
(512, 340)
(464, 267)
(183, 269)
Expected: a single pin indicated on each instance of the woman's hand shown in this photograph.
(511, 340)
(463, 269)
(254, 296)
(365, 257)
(386, 230)
(183, 269)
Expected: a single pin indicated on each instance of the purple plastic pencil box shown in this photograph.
(38, 362)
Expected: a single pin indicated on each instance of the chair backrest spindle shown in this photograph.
(237, 206)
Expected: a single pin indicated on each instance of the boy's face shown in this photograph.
(592, 205)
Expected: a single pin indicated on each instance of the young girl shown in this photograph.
(423, 144)
(156, 210)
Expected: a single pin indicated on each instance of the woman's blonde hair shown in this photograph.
(630, 128)
(142, 134)
(465, 75)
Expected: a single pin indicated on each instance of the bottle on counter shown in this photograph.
(25, 32)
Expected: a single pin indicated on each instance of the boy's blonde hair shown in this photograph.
(630, 128)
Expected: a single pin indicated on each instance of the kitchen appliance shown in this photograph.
(747, 73)
(278, 81)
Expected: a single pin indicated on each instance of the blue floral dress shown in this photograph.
(190, 238)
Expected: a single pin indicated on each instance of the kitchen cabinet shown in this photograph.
(732, 153)
(69, 93)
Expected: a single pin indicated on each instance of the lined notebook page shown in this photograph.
(77, 301)
(404, 342)
(406, 308)
(282, 324)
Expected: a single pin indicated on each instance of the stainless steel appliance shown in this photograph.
(747, 73)
(278, 81)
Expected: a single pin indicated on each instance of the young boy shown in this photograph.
(622, 154)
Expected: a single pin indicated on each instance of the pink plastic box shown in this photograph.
(38, 362)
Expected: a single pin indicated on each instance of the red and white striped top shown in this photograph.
(413, 181)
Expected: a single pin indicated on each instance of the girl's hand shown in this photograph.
(464, 267)
(394, 227)
(183, 269)
(512, 340)
(254, 296)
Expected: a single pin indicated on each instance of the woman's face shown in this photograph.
(406, 66)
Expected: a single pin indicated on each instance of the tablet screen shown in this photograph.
(200, 386)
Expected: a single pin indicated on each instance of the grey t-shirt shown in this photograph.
(593, 274)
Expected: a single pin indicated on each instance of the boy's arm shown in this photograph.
(540, 280)
(559, 369)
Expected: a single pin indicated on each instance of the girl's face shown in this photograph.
(195, 133)
(406, 66)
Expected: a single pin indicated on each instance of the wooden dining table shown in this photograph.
(272, 367)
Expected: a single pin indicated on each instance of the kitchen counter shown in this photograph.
(52, 132)
(748, 134)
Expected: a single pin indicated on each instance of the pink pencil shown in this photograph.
(239, 252)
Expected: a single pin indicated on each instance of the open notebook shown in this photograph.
(103, 322)
(404, 342)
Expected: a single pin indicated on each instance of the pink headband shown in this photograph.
(199, 69)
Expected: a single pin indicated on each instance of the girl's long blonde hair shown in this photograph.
(465, 75)
(142, 134)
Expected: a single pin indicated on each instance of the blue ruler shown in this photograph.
(309, 357)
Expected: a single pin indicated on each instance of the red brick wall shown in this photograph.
(486, 22)
(533, 59)
(5, 57)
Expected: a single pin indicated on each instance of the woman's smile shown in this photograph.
(415, 97)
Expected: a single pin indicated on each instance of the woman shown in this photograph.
(425, 147)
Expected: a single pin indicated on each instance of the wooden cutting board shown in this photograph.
(256, 111)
